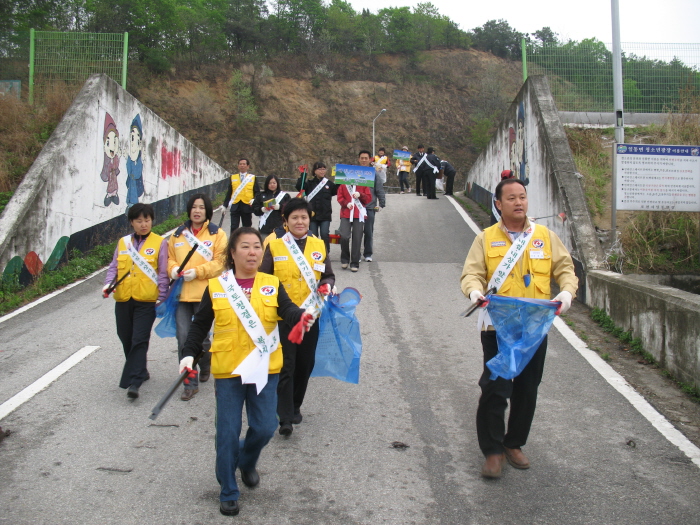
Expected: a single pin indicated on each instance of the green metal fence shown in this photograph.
(41, 59)
(655, 76)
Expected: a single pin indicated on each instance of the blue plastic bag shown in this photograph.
(339, 345)
(521, 326)
(167, 309)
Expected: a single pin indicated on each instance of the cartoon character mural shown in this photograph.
(134, 163)
(518, 152)
(110, 166)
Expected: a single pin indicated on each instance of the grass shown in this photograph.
(635, 347)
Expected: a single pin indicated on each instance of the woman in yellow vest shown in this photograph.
(138, 275)
(404, 168)
(244, 305)
(207, 262)
(300, 262)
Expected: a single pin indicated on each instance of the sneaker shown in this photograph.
(344, 266)
(286, 429)
(401, 193)
(354, 269)
(368, 259)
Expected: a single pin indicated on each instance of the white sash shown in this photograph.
(425, 158)
(201, 249)
(503, 270)
(358, 204)
(318, 188)
(266, 215)
(255, 367)
(242, 185)
(313, 299)
(139, 261)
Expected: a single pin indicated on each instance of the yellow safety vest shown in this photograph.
(246, 194)
(231, 344)
(287, 270)
(137, 285)
(536, 260)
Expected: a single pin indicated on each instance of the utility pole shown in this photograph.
(618, 103)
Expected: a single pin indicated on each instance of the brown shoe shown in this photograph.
(204, 375)
(493, 466)
(516, 458)
(189, 393)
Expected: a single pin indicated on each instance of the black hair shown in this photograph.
(505, 182)
(243, 230)
(381, 149)
(364, 151)
(431, 151)
(141, 209)
(295, 204)
(420, 146)
(246, 160)
(317, 165)
(268, 179)
(209, 209)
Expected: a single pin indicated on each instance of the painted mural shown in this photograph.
(139, 158)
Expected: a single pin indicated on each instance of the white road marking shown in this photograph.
(44, 381)
(663, 425)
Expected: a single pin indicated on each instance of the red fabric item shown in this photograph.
(296, 335)
(324, 289)
(344, 198)
(196, 231)
(190, 375)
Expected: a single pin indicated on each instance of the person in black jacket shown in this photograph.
(449, 171)
(270, 216)
(319, 193)
(428, 168)
(415, 160)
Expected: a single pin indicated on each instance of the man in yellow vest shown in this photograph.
(240, 195)
(528, 269)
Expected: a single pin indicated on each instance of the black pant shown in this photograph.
(298, 364)
(403, 180)
(238, 216)
(429, 185)
(449, 183)
(134, 322)
(419, 179)
(522, 391)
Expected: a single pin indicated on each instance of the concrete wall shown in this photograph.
(108, 152)
(666, 319)
(531, 141)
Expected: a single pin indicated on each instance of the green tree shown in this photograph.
(497, 37)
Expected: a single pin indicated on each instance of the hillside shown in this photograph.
(305, 116)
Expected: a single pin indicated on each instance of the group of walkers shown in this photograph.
(260, 289)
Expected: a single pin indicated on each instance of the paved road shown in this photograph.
(80, 452)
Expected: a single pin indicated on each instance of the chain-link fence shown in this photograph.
(655, 76)
(42, 59)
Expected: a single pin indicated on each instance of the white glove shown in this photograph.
(311, 321)
(350, 205)
(189, 275)
(565, 298)
(251, 201)
(104, 288)
(334, 291)
(186, 362)
(356, 195)
(174, 272)
(275, 206)
(476, 296)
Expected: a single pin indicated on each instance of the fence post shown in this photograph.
(124, 59)
(31, 67)
(523, 47)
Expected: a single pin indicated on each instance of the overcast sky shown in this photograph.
(667, 21)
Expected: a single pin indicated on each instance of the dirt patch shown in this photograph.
(647, 379)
